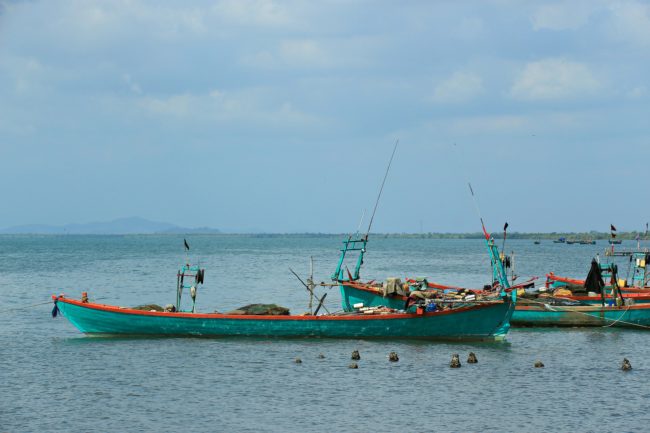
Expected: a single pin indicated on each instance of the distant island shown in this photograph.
(137, 225)
(120, 226)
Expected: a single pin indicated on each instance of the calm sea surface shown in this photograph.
(54, 379)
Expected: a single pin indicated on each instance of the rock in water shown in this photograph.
(353, 365)
(321, 356)
(392, 357)
(355, 355)
(471, 359)
(539, 364)
(298, 361)
(626, 366)
(455, 361)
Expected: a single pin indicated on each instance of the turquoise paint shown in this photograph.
(356, 244)
(351, 296)
(633, 316)
(484, 322)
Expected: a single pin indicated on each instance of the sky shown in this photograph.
(281, 116)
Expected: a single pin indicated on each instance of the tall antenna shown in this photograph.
(382, 187)
(478, 211)
(363, 214)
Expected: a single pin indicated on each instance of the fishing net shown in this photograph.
(261, 310)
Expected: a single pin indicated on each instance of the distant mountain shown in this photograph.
(120, 226)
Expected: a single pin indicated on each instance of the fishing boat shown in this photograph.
(467, 321)
(463, 323)
(614, 310)
(546, 315)
(637, 279)
(498, 305)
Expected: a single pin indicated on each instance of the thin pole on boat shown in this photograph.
(499, 271)
(310, 282)
(381, 189)
(310, 290)
(363, 214)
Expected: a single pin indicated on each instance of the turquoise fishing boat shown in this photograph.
(464, 323)
(496, 310)
(484, 321)
(543, 314)
(616, 310)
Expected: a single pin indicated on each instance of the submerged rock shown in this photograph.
(392, 357)
(626, 366)
(355, 355)
(472, 359)
(455, 361)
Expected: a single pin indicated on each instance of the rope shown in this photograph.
(614, 322)
(36, 305)
(26, 307)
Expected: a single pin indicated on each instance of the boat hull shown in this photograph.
(463, 323)
(634, 316)
(489, 318)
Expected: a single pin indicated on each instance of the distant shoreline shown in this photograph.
(476, 235)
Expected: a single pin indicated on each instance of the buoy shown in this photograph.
(471, 359)
(298, 361)
(353, 365)
(392, 357)
(355, 355)
(321, 356)
(626, 366)
(539, 364)
(455, 361)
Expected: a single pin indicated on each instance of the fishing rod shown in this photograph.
(350, 244)
(381, 189)
(498, 265)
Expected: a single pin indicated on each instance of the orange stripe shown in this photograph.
(115, 309)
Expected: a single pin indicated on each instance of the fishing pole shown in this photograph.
(382, 187)
(497, 263)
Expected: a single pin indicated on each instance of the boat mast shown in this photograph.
(351, 244)
(498, 269)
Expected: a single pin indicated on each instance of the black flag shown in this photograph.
(187, 246)
(612, 228)
(505, 226)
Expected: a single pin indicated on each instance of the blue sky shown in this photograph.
(281, 116)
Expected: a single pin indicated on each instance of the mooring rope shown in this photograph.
(550, 308)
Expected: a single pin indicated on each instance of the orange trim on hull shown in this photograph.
(116, 309)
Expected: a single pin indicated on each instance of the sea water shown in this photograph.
(55, 379)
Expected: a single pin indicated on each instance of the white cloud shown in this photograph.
(132, 85)
(631, 22)
(255, 12)
(305, 52)
(470, 27)
(460, 87)
(253, 107)
(554, 79)
(562, 16)
(637, 92)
